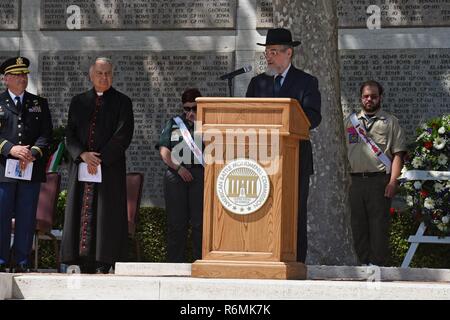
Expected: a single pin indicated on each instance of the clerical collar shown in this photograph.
(99, 94)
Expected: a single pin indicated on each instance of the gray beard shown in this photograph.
(270, 72)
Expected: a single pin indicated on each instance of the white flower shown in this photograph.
(441, 130)
(424, 126)
(438, 187)
(446, 120)
(418, 185)
(428, 203)
(409, 186)
(409, 201)
(445, 219)
(439, 143)
(417, 162)
(442, 159)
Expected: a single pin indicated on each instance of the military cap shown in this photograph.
(16, 65)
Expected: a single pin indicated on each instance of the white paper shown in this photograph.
(13, 171)
(85, 176)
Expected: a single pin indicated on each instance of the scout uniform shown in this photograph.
(24, 120)
(184, 200)
(370, 217)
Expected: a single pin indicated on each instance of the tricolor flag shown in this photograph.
(55, 159)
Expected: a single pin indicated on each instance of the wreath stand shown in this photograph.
(420, 238)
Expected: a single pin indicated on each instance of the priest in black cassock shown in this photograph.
(99, 130)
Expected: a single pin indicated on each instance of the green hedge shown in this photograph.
(151, 233)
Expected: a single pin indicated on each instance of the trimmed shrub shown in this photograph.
(151, 232)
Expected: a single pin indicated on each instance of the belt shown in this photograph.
(190, 166)
(367, 174)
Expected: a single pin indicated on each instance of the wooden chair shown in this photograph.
(135, 182)
(45, 215)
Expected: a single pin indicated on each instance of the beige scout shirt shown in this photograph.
(385, 131)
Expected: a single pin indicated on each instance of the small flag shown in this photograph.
(55, 159)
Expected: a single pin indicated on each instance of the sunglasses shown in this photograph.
(187, 109)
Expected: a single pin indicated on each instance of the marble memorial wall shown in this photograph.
(154, 82)
(416, 79)
(137, 14)
(416, 82)
(9, 14)
(391, 13)
(394, 13)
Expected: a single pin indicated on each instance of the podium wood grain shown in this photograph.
(262, 244)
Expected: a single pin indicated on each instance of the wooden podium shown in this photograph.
(262, 244)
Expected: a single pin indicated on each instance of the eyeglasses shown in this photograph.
(187, 109)
(273, 52)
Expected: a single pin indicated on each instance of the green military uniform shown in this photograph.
(370, 216)
(184, 200)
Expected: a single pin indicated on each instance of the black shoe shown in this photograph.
(103, 268)
(2, 268)
(88, 267)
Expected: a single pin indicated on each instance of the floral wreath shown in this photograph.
(429, 199)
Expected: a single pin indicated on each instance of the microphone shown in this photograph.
(237, 72)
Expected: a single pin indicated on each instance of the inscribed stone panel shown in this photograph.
(153, 80)
(137, 14)
(9, 14)
(393, 13)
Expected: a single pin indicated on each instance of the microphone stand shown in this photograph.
(230, 86)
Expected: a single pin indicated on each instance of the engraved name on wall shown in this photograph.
(416, 82)
(154, 82)
(390, 13)
(137, 14)
(9, 15)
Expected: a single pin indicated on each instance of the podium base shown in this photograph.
(248, 270)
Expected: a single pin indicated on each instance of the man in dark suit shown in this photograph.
(99, 130)
(283, 80)
(25, 133)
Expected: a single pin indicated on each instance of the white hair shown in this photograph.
(102, 59)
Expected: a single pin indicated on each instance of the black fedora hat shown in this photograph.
(279, 36)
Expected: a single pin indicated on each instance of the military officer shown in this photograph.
(183, 180)
(25, 133)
